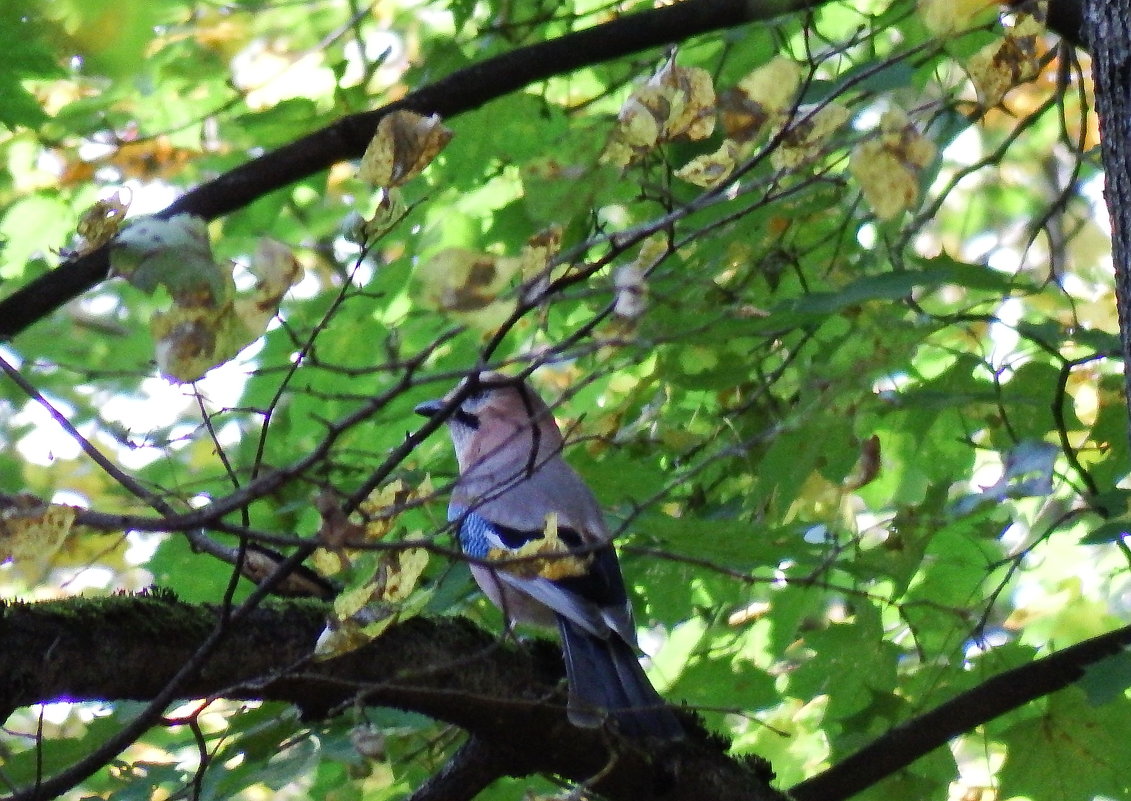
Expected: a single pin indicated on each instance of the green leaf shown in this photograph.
(1106, 680)
(1073, 752)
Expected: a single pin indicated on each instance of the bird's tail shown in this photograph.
(606, 680)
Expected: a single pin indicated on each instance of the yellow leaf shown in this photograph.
(711, 168)
(1006, 63)
(629, 286)
(389, 211)
(276, 270)
(558, 562)
(100, 223)
(349, 602)
(887, 167)
(807, 135)
(402, 572)
(405, 143)
(641, 117)
(338, 638)
(676, 102)
(189, 341)
(888, 184)
(773, 86)
(467, 284)
(30, 537)
(946, 17)
(538, 251)
(692, 110)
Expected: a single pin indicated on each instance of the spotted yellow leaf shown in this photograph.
(761, 100)
(1006, 63)
(276, 270)
(30, 537)
(405, 143)
(711, 169)
(808, 134)
(467, 284)
(401, 573)
(887, 166)
(675, 102)
(547, 557)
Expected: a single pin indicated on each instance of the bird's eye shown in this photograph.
(465, 418)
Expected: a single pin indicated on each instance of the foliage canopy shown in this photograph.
(825, 305)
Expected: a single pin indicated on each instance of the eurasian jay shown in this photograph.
(517, 500)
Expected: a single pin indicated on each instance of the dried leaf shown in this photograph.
(405, 143)
(676, 102)
(101, 222)
(207, 324)
(711, 169)
(887, 167)
(1006, 63)
(764, 96)
(692, 110)
(276, 270)
(867, 466)
(808, 134)
(31, 536)
(467, 284)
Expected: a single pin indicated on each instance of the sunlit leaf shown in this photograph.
(405, 143)
(30, 537)
(887, 166)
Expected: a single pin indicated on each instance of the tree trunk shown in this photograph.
(1107, 28)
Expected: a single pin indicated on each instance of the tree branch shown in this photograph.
(917, 737)
(470, 770)
(509, 699)
(347, 138)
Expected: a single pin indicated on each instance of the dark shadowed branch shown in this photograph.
(508, 698)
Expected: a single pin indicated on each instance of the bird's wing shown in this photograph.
(586, 589)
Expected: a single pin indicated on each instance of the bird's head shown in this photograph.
(499, 421)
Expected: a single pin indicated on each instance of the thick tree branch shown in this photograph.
(917, 737)
(509, 699)
(347, 138)
(471, 769)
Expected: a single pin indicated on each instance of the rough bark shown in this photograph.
(1107, 27)
(508, 698)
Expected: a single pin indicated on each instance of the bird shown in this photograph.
(516, 499)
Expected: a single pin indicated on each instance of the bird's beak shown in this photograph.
(429, 408)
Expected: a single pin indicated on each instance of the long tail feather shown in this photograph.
(605, 679)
